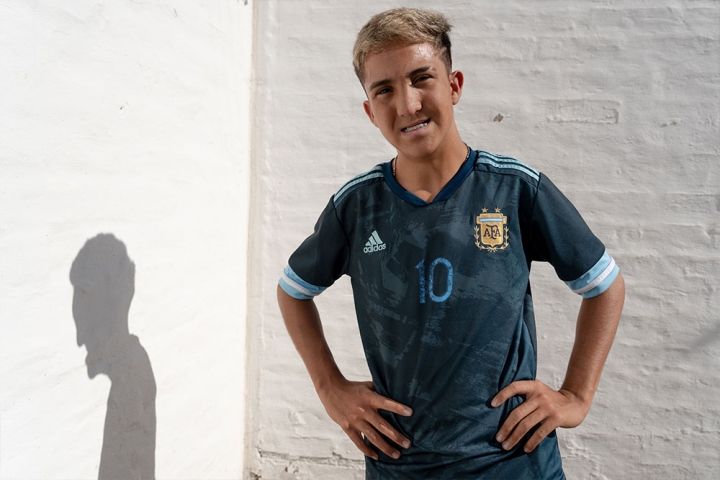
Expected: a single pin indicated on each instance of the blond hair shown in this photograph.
(400, 27)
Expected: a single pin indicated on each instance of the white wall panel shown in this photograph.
(130, 119)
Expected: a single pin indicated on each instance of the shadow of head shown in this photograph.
(103, 278)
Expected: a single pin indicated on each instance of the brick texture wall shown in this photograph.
(619, 103)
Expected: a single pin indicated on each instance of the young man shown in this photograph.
(438, 243)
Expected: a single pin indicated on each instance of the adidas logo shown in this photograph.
(374, 244)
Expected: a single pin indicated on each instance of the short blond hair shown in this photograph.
(399, 27)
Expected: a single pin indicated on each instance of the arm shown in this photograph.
(352, 405)
(596, 326)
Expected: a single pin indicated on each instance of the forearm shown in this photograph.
(548, 409)
(302, 321)
(352, 405)
(595, 331)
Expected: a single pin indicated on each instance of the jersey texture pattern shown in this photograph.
(444, 305)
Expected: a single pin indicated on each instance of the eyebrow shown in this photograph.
(387, 80)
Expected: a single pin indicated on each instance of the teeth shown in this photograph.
(413, 128)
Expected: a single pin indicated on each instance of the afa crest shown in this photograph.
(491, 231)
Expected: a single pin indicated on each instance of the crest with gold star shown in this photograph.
(491, 231)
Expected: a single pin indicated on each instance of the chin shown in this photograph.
(93, 366)
(419, 147)
(92, 372)
(419, 151)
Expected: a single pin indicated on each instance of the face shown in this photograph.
(411, 97)
(85, 310)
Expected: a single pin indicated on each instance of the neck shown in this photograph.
(426, 176)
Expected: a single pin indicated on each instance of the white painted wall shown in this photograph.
(618, 101)
(133, 118)
(129, 118)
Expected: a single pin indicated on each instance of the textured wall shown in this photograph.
(619, 103)
(130, 119)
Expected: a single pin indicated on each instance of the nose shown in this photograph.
(408, 102)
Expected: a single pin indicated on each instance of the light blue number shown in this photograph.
(421, 266)
(431, 280)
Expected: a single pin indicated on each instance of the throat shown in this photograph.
(425, 180)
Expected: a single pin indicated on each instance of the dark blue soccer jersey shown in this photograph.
(443, 302)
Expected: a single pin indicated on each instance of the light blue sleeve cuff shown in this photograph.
(596, 280)
(298, 288)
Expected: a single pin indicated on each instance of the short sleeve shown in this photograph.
(561, 237)
(320, 260)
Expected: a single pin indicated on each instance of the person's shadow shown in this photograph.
(103, 278)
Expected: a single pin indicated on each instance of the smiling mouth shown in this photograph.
(416, 127)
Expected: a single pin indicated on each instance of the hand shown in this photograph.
(354, 406)
(543, 406)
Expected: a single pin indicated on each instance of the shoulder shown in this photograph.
(503, 165)
(371, 177)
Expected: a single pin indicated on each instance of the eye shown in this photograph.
(382, 91)
(421, 78)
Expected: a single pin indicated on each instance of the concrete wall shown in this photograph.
(128, 119)
(619, 103)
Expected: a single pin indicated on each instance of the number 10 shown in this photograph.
(431, 280)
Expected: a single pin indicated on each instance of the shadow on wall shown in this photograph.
(103, 278)
(707, 338)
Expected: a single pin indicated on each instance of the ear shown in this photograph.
(457, 80)
(369, 112)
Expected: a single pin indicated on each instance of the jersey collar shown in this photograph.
(443, 195)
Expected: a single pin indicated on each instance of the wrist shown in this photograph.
(326, 383)
(584, 399)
